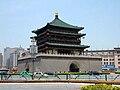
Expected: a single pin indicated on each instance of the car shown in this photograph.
(94, 73)
(40, 74)
(4, 71)
(49, 73)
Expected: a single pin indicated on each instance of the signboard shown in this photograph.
(108, 66)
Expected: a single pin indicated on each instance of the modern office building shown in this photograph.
(1, 59)
(110, 57)
(11, 56)
(60, 49)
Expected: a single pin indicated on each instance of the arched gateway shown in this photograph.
(74, 67)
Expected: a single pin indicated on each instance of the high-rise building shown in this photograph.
(11, 56)
(1, 59)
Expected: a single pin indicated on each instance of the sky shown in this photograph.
(100, 19)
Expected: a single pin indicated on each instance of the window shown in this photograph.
(105, 59)
(99, 52)
(105, 56)
(94, 53)
(111, 59)
(118, 62)
(110, 52)
(118, 52)
(111, 63)
(111, 56)
(105, 52)
(105, 63)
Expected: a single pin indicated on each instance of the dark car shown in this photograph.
(49, 73)
(94, 73)
(4, 72)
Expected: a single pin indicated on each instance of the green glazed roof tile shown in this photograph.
(76, 34)
(60, 23)
(65, 45)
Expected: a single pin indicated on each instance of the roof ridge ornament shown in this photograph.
(56, 14)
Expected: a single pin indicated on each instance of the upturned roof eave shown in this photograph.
(59, 23)
(80, 28)
(66, 45)
(35, 31)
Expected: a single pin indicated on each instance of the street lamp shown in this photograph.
(33, 53)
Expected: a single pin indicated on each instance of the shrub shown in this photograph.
(117, 72)
(73, 73)
(78, 73)
(105, 73)
(100, 87)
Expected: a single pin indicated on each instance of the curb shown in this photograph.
(62, 81)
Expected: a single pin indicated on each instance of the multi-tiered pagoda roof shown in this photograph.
(59, 37)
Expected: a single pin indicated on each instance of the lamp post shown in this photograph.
(33, 52)
(15, 58)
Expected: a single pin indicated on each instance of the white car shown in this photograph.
(40, 74)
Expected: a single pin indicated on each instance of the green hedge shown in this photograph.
(78, 73)
(100, 87)
(105, 73)
(117, 72)
(73, 73)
